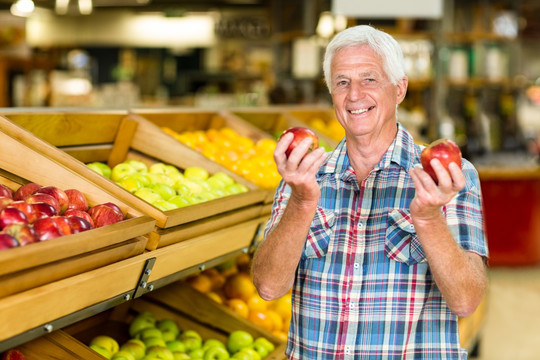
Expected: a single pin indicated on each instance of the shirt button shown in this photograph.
(360, 225)
(356, 265)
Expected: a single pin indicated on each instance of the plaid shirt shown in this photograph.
(363, 288)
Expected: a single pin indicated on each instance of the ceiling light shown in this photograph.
(85, 7)
(22, 8)
(61, 7)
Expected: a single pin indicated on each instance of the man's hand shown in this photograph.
(430, 197)
(300, 168)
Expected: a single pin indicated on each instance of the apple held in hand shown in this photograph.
(445, 150)
(300, 133)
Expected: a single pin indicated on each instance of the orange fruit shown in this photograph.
(238, 306)
(281, 335)
(277, 321)
(255, 302)
(283, 307)
(218, 279)
(261, 319)
(200, 282)
(215, 296)
(239, 286)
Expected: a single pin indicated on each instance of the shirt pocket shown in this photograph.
(320, 233)
(401, 243)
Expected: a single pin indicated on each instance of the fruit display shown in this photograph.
(331, 128)
(445, 150)
(230, 284)
(35, 213)
(165, 186)
(151, 338)
(252, 160)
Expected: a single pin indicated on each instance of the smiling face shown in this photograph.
(364, 98)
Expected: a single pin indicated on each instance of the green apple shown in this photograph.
(196, 353)
(181, 356)
(179, 201)
(213, 342)
(196, 173)
(165, 191)
(158, 168)
(139, 166)
(101, 351)
(238, 340)
(147, 194)
(160, 352)
(100, 168)
(168, 325)
(130, 183)
(205, 196)
(176, 346)
(224, 178)
(246, 354)
(263, 346)
(193, 186)
(215, 183)
(181, 188)
(142, 321)
(164, 205)
(154, 341)
(190, 334)
(121, 170)
(171, 170)
(151, 332)
(192, 339)
(143, 178)
(236, 188)
(135, 347)
(105, 342)
(123, 355)
(216, 352)
(160, 178)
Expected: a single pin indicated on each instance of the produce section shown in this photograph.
(137, 264)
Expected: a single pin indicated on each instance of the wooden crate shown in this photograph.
(190, 119)
(36, 264)
(75, 138)
(179, 302)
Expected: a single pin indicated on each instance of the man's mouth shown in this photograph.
(361, 111)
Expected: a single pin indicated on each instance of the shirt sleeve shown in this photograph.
(281, 198)
(464, 214)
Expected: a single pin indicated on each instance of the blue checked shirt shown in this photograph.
(363, 288)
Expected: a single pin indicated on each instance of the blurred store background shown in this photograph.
(474, 76)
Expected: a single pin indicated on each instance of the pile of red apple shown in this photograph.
(36, 213)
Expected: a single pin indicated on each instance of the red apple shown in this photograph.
(43, 210)
(5, 201)
(13, 354)
(63, 224)
(58, 194)
(81, 214)
(23, 233)
(103, 214)
(7, 241)
(46, 229)
(26, 208)
(78, 224)
(5, 191)
(300, 133)
(115, 207)
(25, 191)
(445, 150)
(76, 200)
(12, 216)
(44, 198)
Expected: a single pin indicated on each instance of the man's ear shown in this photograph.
(402, 89)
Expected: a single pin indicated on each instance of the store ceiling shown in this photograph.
(155, 5)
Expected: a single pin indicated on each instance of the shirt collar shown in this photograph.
(401, 152)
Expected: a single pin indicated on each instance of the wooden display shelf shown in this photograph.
(30, 310)
(26, 267)
(188, 308)
(78, 137)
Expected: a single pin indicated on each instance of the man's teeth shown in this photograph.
(361, 111)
